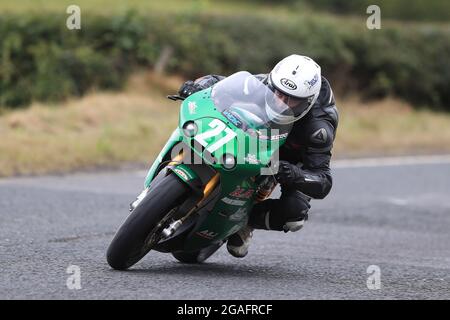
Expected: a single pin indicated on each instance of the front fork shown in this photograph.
(210, 186)
(188, 176)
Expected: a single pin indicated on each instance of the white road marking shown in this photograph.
(375, 162)
(398, 201)
(390, 161)
(141, 173)
(335, 164)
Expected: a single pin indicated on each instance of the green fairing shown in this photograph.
(173, 140)
(237, 186)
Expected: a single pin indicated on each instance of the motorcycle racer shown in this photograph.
(304, 168)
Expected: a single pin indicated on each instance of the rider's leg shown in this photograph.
(285, 214)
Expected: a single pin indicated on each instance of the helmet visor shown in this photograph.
(296, 104)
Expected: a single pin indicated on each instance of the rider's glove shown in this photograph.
(188, 88)
(288, 173)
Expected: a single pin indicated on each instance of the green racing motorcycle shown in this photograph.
(214, 168)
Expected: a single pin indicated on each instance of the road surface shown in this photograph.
(385, 225)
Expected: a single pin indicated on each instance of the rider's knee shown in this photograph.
(295, 206)
(285, 214)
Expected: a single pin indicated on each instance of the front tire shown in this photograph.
(129, 244)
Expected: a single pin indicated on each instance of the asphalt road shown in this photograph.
(394, 216)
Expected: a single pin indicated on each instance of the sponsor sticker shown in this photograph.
(288, 84)
(232, 118)
(252, 159)
(181, 173)
(311, 83)
(207, 234)
(242, 193)
(233, 202)
(192, 106)
(274, 137)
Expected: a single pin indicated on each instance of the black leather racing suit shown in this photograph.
(308, 146)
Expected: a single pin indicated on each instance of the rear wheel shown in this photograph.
(141, 230)
(197, 256)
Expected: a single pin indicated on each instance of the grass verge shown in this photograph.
(100, 129)
(388, 128)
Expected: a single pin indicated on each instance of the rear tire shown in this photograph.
(128, 245)
(197, 256)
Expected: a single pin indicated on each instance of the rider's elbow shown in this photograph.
(319, 190)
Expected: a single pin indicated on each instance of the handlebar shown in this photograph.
(175, 97)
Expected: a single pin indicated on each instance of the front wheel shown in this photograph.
(131, 242)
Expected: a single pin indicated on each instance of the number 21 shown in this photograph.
(217, 128)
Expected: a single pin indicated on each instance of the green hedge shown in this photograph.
(408, 10)
(412, 10)
(42, 60)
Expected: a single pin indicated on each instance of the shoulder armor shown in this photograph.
(325, 107)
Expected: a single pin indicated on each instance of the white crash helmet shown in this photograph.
(295, 81)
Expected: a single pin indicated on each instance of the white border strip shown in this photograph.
(390, 161)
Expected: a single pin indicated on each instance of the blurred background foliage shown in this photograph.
(41, 60)
(407, 10)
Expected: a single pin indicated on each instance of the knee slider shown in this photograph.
(293, 226)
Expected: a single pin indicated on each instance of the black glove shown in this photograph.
(188, 88)
(288, 173)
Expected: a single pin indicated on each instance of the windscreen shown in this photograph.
(242, 99)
